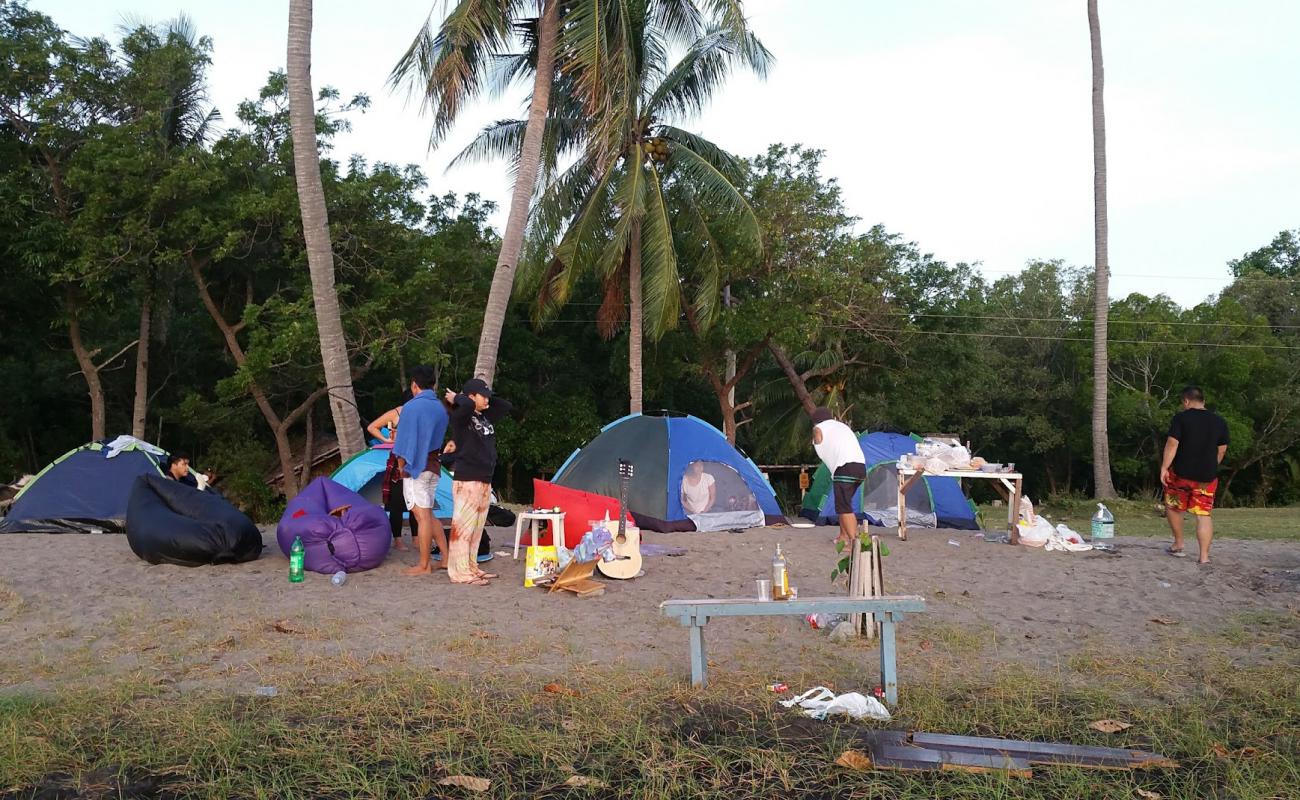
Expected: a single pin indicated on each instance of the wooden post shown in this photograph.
(856, 574)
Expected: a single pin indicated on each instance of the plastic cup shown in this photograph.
(764, 590)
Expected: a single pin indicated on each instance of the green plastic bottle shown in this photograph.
(296, 553)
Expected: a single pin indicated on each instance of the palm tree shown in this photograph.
(451, 67)
(1105, 488)
(611, 213)
(315, 226)
(167, 86)
(469, 55)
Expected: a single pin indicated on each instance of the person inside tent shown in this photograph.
(384, 429)
(839, 449)
(178, 469)
(699, 489)
(417, 447)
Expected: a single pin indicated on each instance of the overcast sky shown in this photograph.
(964, 126)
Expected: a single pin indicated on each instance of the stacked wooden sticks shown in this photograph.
(866, 579)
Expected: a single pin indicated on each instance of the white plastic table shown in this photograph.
(1008, 484)
(534, 518)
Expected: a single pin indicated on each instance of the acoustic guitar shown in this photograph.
(627, 543)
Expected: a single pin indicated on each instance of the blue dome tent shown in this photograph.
(662, 447)
(364, 474)
(934, 501)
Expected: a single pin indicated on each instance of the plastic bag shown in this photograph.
(820, 702)
(1037, 534)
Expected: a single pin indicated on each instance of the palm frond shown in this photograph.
(687, 88)
(733, 168)
(629, 205)
(448, 68)
(699, 248)
(659, 275)
(718, 193)
(730, 15)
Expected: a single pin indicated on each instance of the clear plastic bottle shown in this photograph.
(780, 576)
(1103, 529)
(296, 554)
(339, 578)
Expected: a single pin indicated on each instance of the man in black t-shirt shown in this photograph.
(1198, 439)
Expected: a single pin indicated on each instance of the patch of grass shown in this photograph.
(11, 603)
(1140, 518)
(641, 735)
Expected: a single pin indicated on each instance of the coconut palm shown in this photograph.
(167, 87)
(635, 181)
(1105, 488)
(469, 55)
(315, 225)
(453, 66)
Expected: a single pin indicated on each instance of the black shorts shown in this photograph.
(846, 482)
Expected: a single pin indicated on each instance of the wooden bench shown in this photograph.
(888, 610)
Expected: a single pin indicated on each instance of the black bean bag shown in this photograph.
(171, 523)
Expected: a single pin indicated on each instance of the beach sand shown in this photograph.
(83, 609)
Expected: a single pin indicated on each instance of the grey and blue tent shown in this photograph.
(85, 490)
(661, 447)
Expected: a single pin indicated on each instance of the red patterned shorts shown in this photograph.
(1194, 497)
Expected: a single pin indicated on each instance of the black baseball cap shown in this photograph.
(477, 386)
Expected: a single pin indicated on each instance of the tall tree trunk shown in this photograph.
(634, 331)
(86, 361)
(308, 448)
(1105, 488)
(140, 409)
(729, 358)
(503, 280)
(315, 228)
(792, 374)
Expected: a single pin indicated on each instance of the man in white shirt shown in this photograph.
(838, 448)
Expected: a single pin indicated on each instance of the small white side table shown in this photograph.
(535, 517)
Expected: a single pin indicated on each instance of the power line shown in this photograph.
(1089, 319)
(1157, 342)
(1087, 340)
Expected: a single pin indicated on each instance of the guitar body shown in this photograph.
(627, 543)
(628, 552)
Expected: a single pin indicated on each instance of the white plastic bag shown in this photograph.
(820, 702)
(1037, 534)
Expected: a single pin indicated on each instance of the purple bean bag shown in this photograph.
(353, 541)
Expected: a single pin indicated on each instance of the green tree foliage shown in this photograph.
(114, 204)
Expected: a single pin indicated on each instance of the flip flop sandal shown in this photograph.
(1175, 553)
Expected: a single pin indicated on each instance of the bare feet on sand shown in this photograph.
(419, 569)
(398, 544)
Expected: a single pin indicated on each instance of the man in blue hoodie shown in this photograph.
(418, 448)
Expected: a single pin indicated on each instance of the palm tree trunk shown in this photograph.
(494, 315)
(1105, 488)
(634, 333)
(140, 410)
(315, 225)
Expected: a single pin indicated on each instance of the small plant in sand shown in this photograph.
(846, 558)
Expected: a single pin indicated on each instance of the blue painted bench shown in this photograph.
(888, 610)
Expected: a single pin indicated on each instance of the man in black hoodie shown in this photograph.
(475, 412)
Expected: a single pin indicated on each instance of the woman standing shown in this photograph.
(475, 412)
(384, 429)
